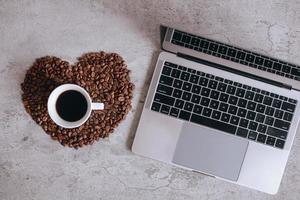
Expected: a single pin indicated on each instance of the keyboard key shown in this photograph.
(259, 60)
(186, 96)
(210, 76)
(270, 141)
(155, 106)
(222, 87)
(241, 112)
(240, 55)
(179, 103)
(165, 109)
(197, 109)
(214, 104)
(160, 98)
(187, 86)
(242, 132)
(292, 101)
(166, 80)
(205, 101)
(286, 69)
(188, 106)
(175, 73)
(277, 66)
(267, 100)
(251, 105)
(164, 89)
(252, 135)
(203, 81)
(249, 95)
(216, 114)
(268, 63)
(233, 110)
(260, 108)
(204, 44)
(194, 79)
(233, 100)
(222, 50)
(277, 133)
(177, 36)
(288, 116)
(196, 89)
(186, 39)
(172, 65)
(234, 120)
(295, 71)
(184, 115)
(270, 111)
(279, 144)
(205, 92)
(253, 126)
(207, 112)
(282, 124)
(250, 115)
(274, 96)
(185, 76)
(262, 128)
(215, 95)
(242, 103)
(230, 89)
(231, 52)
(258, 98)
(244, 123)
(288, 107)
(166, 70)
(223, 107)
(195, 99)
(283, 98)
(269, 120)
(225, 117)
(212, 84)
(261, 138)
(220, 79)
(224, 97)
(174, 112)
(240, 92)
(250, 58)
(195, 41)
(177, 84)
(278, 114)
(260, 118)
(177, 93)
(213, 124)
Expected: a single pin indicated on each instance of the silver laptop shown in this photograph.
(220, 110)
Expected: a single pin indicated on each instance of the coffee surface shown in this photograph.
(104, 76)
(71, 105)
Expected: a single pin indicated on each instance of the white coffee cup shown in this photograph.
(55, 115)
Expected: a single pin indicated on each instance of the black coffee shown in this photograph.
(71, 105)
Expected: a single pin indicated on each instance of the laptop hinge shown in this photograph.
(219, 66)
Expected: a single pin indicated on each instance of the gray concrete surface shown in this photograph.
(34, 167)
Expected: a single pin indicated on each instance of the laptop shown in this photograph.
(220, 110)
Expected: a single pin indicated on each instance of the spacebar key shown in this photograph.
(213, 124)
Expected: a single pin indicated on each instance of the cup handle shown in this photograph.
(97, 106)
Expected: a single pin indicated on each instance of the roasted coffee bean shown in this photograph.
(106, 78)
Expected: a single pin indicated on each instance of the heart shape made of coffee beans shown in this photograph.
(105, 77)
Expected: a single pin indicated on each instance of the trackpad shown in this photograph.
(210, 151)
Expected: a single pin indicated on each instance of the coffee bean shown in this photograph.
(104, 75)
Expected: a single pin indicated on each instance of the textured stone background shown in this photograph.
(34, 167)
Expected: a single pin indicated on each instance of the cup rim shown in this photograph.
(51, 105)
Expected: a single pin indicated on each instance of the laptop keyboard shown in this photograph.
(235, 54)
(222, 104)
